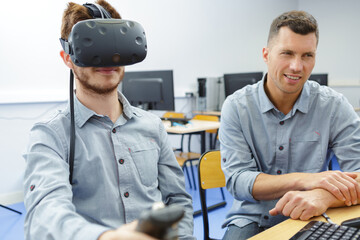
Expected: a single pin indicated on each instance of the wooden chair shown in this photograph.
(210, 176)
(173, 115)
(190, 156)
(182, 157)
(212, 132)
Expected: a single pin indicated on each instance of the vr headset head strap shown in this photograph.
(97, 11)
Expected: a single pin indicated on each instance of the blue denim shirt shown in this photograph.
(255, 137)
(120, 170)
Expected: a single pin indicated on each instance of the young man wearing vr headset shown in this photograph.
(122, 160)
(277, 137)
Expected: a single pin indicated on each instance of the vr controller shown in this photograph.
(161, 223)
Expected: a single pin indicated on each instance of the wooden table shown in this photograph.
(288, 228)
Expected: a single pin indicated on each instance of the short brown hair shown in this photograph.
(75, 13)
(298, 21)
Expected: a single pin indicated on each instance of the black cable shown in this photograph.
(72, 127)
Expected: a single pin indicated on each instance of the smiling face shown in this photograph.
(290, 58)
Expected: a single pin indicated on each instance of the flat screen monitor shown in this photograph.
(235, 81)
(149, 90)
(322, 78)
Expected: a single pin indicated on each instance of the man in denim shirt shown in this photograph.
(123, 162)
(277, 136)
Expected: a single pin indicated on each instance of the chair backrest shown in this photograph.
(174, 115)
(207, 118)
(210, 173)
(210, 176)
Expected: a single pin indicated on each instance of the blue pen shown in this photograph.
(178, 124)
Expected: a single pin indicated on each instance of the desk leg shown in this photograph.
(203, 143)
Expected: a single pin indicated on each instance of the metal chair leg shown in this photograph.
(187, 174)
(192, 173)
(10, 209)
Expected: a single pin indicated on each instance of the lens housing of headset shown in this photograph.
(106, 43)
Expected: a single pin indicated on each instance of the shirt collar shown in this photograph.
(265, 103)
(83, 114)
(301, 104)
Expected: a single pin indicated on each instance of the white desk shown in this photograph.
(211, 113)
(193, 127)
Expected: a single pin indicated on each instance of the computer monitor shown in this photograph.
(149, 90)
(322, 78)
(235, 81)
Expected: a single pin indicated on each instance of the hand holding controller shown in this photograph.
(161, 223)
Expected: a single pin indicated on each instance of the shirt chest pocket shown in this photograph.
(306, 153)
(146, 156)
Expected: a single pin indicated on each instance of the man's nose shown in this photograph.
(296, 64)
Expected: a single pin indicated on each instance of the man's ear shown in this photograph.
(66, 58)
(265, 53)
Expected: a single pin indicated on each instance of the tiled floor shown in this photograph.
(11, 223)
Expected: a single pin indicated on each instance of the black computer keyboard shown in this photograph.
(324, 230)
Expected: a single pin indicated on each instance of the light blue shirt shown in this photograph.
(255, 137)
(120, 170)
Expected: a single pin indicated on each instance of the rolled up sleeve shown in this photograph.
(48, 195)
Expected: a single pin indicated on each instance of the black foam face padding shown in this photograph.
(106, 43)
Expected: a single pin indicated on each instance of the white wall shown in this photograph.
(203, 38)
(194, 38)
(338, 49)
(16, 121)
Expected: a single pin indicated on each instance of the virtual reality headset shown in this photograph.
(105, 42)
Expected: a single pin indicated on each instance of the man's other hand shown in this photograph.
(341, 184)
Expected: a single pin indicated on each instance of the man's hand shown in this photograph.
(303, 204)
(341, 184)
(125, 232)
